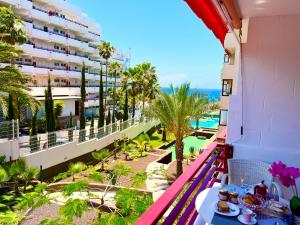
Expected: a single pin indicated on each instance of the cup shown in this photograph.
(248, 215)
(223, 195)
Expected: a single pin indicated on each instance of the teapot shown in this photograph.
(261, 189)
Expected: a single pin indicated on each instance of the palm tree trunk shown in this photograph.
(179, 155)
(164, 134)
(133, 106)
(197, 124)
(106, 74)
(143, 102)
(114, 107)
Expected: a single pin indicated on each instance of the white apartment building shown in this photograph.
(60, 38)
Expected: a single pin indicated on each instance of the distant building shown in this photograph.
(60, 39)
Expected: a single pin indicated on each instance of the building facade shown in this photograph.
(60, 39)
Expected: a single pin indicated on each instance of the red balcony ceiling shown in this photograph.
(207, 12)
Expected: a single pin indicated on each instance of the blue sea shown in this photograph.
(213, 95)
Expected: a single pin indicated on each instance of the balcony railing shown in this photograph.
(50, 13)
(201, 174)
(59, 34)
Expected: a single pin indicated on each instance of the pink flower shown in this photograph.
(287, 181)
(277, 168)
(291, 171)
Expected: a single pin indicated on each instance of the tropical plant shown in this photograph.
(58, 110)
(101, 156)
(141, 142)
(81, 105)
(76, 168)
(126, 149)
(175, 111)
(20, 171)
(201, 108)
(11, 27)
(115, 69)
(13, 82)
(29, 174)
(106, 50)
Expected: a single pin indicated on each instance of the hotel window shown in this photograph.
(226, 58)
(223, 117)
(226, 87)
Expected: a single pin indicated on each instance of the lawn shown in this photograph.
(155, 139)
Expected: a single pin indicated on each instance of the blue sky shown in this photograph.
(164, 32)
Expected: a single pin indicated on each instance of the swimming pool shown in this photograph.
(207, 123)
(190, 141)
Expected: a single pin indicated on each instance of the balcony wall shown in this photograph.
(61, 91)
(271, 91)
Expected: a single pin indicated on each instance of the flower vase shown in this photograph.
(295, 206)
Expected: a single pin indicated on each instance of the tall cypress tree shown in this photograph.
(11, 116)
(50, 117)
(101, 105)
(34, 143)
(92, 133)
(70, 127)
(82, 101)
(11, 110)
(126, 106)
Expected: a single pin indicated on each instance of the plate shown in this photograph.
(252, 206)
(241, 219)
(234, 210)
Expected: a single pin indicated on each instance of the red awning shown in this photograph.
(208, 13)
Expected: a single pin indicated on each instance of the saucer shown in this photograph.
(241, 219)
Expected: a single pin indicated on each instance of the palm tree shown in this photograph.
(101, 156)
(141, 142)
(106, 50)
(124, 89)
(115, 69)
(126, 149)
(201, 107)
(76, 168)
(148, 81)
(175, 111)
(133, 76)
(12, 80)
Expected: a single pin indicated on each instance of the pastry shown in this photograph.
(223, 207)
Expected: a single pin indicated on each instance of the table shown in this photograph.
(205, 206)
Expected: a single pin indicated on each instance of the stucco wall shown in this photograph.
(271, 90)
(62, 153)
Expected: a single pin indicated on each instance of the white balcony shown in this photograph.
(75, 59)
(42, 15)
(56, 91)
(35, 52)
